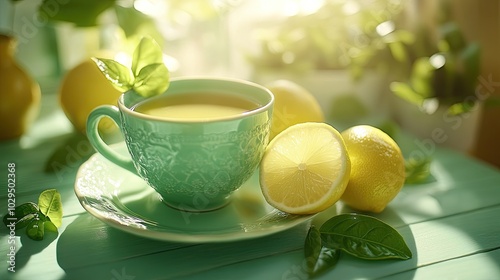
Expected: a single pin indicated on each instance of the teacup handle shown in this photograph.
(96, 141)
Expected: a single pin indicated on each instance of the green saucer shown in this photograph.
(124, 201)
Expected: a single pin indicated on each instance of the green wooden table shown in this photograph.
(451, 223)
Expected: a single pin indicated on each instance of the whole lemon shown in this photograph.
(377, 168)
(293, 104)
(84, 88)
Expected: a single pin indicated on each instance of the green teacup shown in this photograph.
(193, 163)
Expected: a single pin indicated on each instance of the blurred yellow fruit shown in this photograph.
(293, 104)
(305, 169)
(19, 94)
(84, 88)
(377, 168)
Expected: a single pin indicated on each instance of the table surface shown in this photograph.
(451, 224)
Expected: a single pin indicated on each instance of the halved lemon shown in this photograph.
(305, 169)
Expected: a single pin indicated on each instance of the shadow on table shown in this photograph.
(90, 249)
(28, 246)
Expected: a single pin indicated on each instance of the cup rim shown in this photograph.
(256, 111)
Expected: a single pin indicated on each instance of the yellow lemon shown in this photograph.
(293, 104)
(377, 170)
(305, 169)
(84, 88)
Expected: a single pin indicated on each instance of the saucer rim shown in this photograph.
(165, 235)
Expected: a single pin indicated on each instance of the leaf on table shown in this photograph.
(50, 205)
(36, 229)
(21, 214)
(364, 237)
(49, 226)
(318, 258)
(417, 170)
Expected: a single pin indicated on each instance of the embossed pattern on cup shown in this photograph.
(195, 166)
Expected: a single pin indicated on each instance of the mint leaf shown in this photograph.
(152, 80)
(364, 237)
(148, 77)
(118, 74)
(49, 226)
(417, 171)
(36, 229)
(22, 215)
(146, 53)
(50, 205)
(318, 258)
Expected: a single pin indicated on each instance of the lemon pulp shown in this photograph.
(305, 169)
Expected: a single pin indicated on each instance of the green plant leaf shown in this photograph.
(146, 53)
(398, 51)
(36, 229)
(153, 79)
(50, 205)
(460, 108)
(82, 13)
(49, 226)
(407, 93)
(451, 33)
(422, 76)
(118, 74)
(417, 171)
(318, 258)
(471, 59)
(364, 237)
(130, 19)
(22, 215)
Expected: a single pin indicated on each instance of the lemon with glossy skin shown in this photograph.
(84, 88)
(293, 104)
(377, 168)
(305, 169)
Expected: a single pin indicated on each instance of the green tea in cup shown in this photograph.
(196, 143)
(202, 106)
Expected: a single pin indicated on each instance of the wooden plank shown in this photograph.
(463, 240)
(480, 266)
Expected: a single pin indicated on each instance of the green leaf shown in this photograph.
(407, 93)
(364, 237)
(21, 215)
(417, 171)
(398, 51)
(146, 53)
(50, 205)
(26, 220)
(471, 58)
(49, 226)
(460, 108)
(36, 229)
(422, 76)
(318, 258)
(130, 19)
(82, 13)
(118, 74)
(153, 79)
